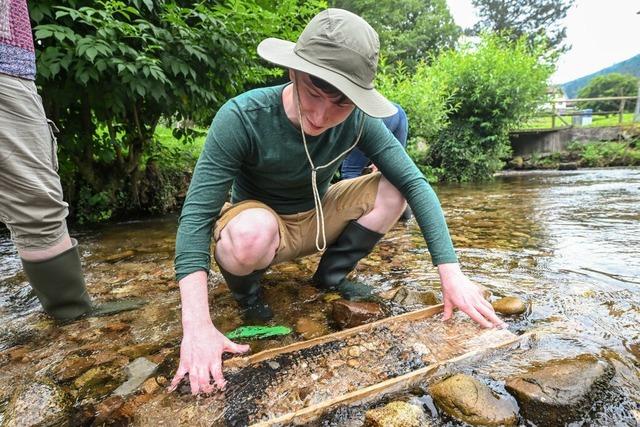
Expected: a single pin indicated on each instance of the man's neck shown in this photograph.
(290, 106)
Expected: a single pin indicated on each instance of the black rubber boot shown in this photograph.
(246, 291)
(355, 242)
(407, 214)
(58, 283)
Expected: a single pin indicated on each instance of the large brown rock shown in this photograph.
(408, 297)
(468, 400)
(39, 403)
(396, 414)
(559, 391)
(310, 328)
(509, 306)
(348, 314)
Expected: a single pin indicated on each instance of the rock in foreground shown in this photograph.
(559, 391)
(40, 403)
(468, 400)
(396, 414)
(349, 314)
(509, 306)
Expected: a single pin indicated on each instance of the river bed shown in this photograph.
(567, 243)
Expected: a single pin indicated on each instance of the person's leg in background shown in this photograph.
(31, 202)
(353, 165)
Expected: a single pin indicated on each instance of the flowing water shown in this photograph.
(568, 243)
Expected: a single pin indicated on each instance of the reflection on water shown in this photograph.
(566, 242)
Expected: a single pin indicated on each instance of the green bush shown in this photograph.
(109, 71)
(493, 87)
(602, 154)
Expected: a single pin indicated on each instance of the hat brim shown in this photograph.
(370, 101)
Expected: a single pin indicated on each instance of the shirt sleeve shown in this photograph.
(395, 164)
(226, 146)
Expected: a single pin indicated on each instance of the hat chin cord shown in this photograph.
(320, 230)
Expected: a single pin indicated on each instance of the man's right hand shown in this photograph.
(201, 357)
(202, 344)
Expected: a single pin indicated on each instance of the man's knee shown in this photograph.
(250, 236)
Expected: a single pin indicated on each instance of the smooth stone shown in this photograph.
(408, 297)
(310, 328)
(349, 314)
(99, 380)
(71, 367)
(39, 403)
(509, 306)
(569, 166)
(139, 350)
(138, 372)
(560, 391)
(468, 400)
(396, 414)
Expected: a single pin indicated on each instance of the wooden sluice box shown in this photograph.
(301, 382)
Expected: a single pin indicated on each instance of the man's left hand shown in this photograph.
(458, 291)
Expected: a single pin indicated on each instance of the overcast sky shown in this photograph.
(600, 32)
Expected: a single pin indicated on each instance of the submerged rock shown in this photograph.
(569, 166)
(310, 328)
(396, 414)
(408, 297)
(468, 400)
(137, 373)
(559, 391)
(99, 381)
(39, 403)
(348, 314)
(509, 306)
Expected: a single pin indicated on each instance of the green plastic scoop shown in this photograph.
(257, 332)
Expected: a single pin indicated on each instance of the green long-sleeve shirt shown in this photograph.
(254, 149)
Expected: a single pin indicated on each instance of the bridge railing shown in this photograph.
(563, 111)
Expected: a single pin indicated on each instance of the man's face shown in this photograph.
(320, 111)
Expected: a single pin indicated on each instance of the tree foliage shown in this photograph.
(492, 88)
(110, 70)
(609, 85)
(533, 19)
(409, 30)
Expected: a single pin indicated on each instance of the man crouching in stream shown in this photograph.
(277, 148)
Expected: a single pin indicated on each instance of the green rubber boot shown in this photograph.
(246, 291)
(355, 243)
(58, 283)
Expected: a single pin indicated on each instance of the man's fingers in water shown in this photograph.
(448, 310)
(475, 315)
(216, 373)
(180, 373)
(491, 315)
(204, 380)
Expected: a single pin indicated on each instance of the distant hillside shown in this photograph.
(630, 66)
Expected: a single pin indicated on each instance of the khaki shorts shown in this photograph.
(31, 202)
(344, 201)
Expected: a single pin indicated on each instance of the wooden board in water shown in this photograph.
(303, 381)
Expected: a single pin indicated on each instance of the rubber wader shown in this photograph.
(355, 243)
(59, 284)
(246, 291)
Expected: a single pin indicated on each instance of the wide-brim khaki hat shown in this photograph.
(341, 48)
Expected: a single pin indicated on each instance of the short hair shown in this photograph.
(328, 88)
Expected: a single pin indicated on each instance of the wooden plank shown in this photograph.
(238, 362)
(394, 385)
